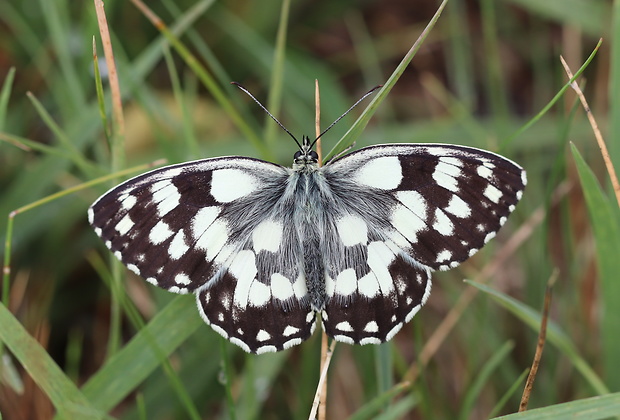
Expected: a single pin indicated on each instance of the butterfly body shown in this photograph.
(265, 248)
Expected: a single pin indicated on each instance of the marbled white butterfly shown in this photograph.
(265, 247)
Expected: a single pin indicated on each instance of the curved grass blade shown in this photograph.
(555, 335)
(356, 129)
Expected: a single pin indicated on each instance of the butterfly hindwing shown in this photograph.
(215, 227)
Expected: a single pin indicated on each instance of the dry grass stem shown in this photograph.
(542, 335)
(597, 133)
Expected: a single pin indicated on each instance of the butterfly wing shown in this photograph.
(217, 228)
(417, 208)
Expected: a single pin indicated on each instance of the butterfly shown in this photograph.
(265, 248)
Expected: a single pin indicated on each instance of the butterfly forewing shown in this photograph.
(449, 200)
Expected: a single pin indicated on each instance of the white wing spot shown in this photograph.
(231, 184)
(492, 193)
(128, 201)
(344, 339)
(445, 176)
(259, 294)
(300, 289)
(281, 287)
(443, 224)
(291, 343)
(393, 331)
(484, 172)
(290, 330)
(240, 343)
(160, 232)
(133, 268)
(407, 223)
(166, 195)
(379, 258)
(412, 313)
(371, 327)
(263, 336)
(458, 207)
(368, 285)
(203, 219)
(124, 225)
(213, 239)
(243, 268)
(384, 173)
(344, 326)
(267, 236)
(414, 201)
(369, 340)
(152, 281)
(266, 349)
(346, 282)
(182, 279)
(444, 255)
(178, 247)
(91, 215)
(352, 230)
(490, 236)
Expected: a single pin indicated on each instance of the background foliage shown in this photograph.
(73, 323)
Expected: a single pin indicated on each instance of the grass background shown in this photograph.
(72, 323)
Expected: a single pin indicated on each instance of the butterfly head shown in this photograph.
(305, 156)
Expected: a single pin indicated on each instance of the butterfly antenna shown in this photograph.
(346, 112)
(269, 113)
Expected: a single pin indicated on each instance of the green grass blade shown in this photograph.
(274, 101)
(133, 363)
(585, 14)
(606, 226)
(602, 407)
(5, 94)
(374, 406)
(358, 127)
(63, 393)
(474, 389)
(555, 335)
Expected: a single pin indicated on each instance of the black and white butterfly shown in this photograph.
(265, 248)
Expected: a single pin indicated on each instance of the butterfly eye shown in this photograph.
(314, 156)
(297, 155)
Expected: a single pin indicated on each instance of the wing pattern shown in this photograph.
(265, 248)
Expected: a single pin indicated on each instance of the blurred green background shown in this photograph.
(486, 69)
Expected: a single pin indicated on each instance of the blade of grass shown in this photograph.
(555, 335)
(552, 102)
(605, 224)
(358, 127)
(475, 388)
(65, 396)
(64, 140)
(126, 369)
(274, 100)
(584, 14)
(189, 137)
(374, 406)
(205, 77)
(5, 94)
(518, 383)
(595, 408)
